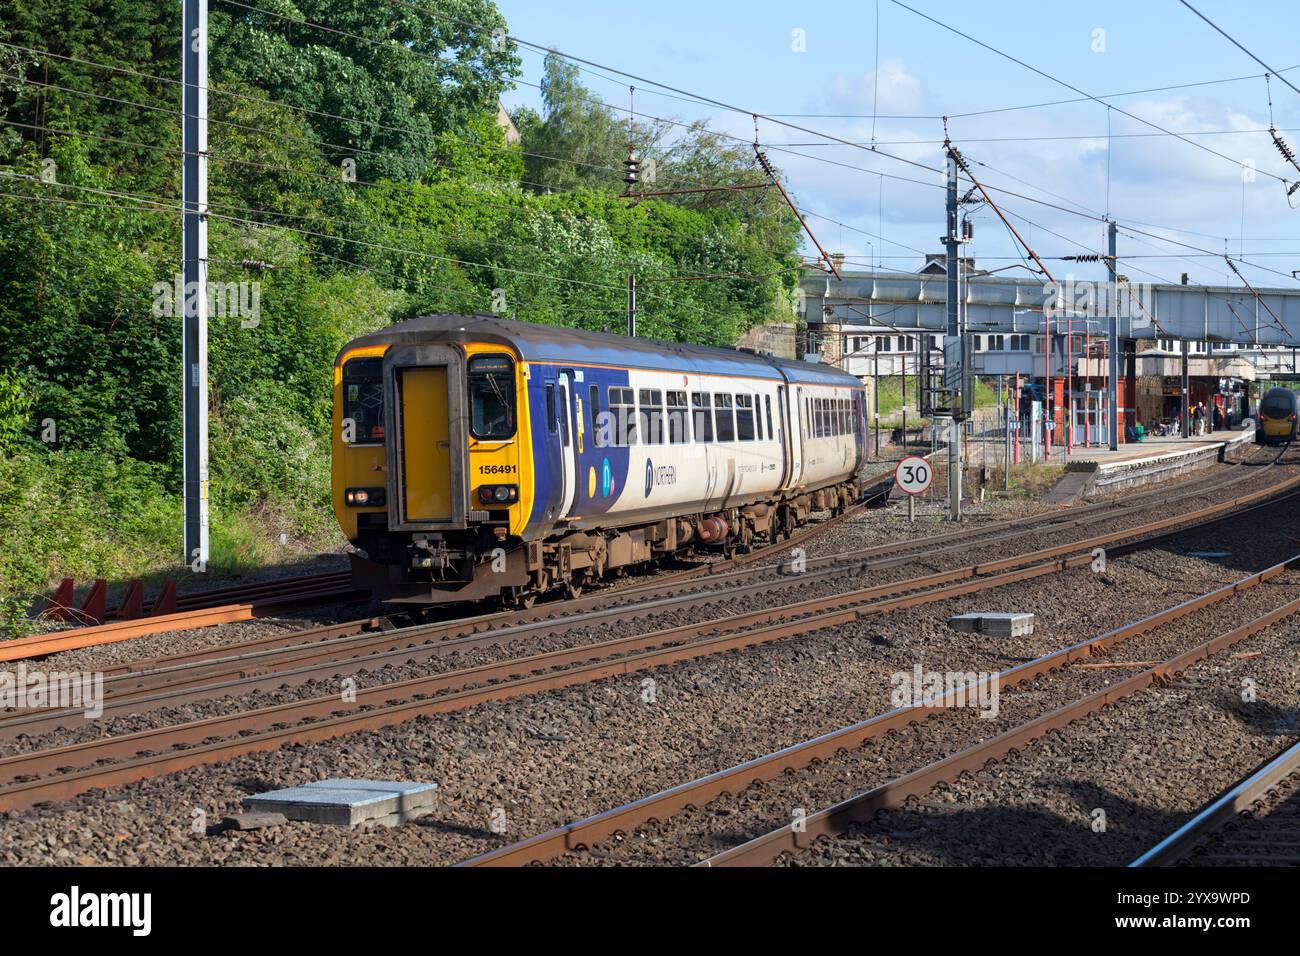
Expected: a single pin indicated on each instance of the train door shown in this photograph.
(568, 444)
(426, 445)
(791, 413)
(784, 437)
(426, 414)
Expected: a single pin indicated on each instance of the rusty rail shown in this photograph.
(134, 692)
(835, 820)
(265, 725)
(586, 833)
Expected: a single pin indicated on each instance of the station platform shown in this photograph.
(1099, 471)
(1150, 448)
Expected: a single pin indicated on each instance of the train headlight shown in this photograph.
(498, 494)
(365, 497)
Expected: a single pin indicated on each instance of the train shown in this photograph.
(1276, 422)
(477, 458)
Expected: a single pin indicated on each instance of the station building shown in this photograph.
(875, 338)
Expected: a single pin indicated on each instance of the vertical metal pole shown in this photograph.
(1112, 345)
(194, 270)
(903, 362)
(1006, 450)
(631, 304)
(954, 357)
(875, 401)
(1016, 399)
(1184, 418)
(1069, 385)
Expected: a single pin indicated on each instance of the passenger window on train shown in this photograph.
(363, 399)
(758, 418)
(744, 417)
(564, 416)
(678, 418)
(622, 413)
(652, 416)
(492, 396)
(723, 417)
(818, 428)
(767, 413)
(703, 416)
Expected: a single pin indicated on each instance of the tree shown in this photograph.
(382, 83)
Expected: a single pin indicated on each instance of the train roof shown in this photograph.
(560, 345)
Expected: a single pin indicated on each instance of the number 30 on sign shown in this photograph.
(913, 475)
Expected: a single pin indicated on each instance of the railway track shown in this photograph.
(703, 575)
(388, 704)
(1255, 823)
(580, 839)
(243, 603)
(200, 609)
(212, 608)
(339, 650)
(583, 840)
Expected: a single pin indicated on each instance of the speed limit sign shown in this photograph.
(913, 475)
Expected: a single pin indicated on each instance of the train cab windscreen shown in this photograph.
(1277, 403)
(363, 399)
(492, 397)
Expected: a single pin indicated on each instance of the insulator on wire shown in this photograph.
(632, 167)
(1281, 145)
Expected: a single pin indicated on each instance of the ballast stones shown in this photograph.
(348, 803)
(997, 624)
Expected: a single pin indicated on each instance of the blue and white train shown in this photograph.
(481, 458)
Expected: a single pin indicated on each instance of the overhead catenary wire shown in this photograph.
(697, 98)
(1070, 86)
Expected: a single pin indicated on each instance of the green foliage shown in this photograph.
(78, 514)
(15, 410)
(368, 95)
(444, 214)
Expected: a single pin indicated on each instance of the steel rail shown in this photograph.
(831, 822)
(39, 645)
(1237, 800)
(207, 616)
(282, 653)
(586, 833)
(334, 642)
(340, 661)
(244, 610)
(267, 731)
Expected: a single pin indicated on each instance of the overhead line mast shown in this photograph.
(194, 269)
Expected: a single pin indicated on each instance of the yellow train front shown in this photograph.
(1277, 417)
(478, 458)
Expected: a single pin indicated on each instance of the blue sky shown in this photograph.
(744, 54)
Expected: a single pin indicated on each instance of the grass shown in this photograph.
(85, 516)
(891, 397)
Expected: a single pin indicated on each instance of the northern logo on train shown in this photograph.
(663, 475)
